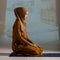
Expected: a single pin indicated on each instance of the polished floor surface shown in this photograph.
(5, 52)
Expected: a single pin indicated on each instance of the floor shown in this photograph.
(28, 58)
(4, 55)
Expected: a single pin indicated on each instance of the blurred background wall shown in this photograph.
(2, 19)
(42, 26)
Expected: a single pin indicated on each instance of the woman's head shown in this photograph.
(21, 12)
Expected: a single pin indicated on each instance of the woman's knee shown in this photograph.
(38, 51)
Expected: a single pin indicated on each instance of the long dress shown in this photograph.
(21, 44)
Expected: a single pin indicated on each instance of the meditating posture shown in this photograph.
(21, 44)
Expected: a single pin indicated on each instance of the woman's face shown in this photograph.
(26, 15)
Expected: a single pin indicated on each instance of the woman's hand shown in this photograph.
(35, 45)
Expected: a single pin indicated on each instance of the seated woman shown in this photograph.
(21, 44)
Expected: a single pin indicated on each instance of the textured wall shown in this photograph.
(41, 23)
(2, 15)
(2, 20)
